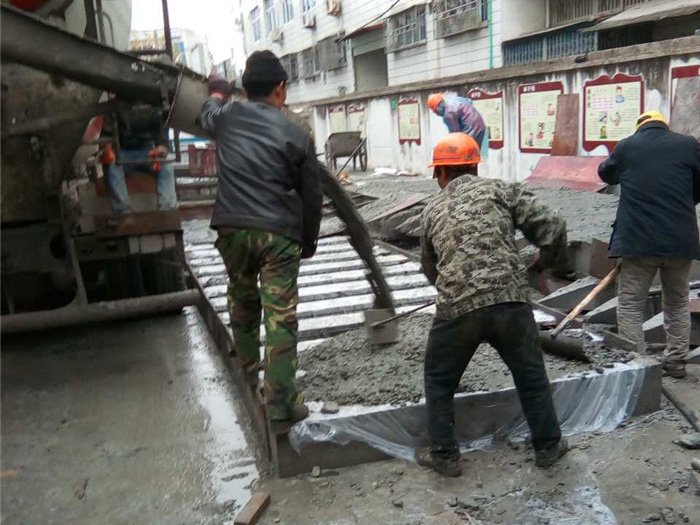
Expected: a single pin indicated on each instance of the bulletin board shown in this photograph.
(336, 117)
(610, 109)
(490, 106)
(678, 74)
(537, 115)
(356, 118)
(409, 120)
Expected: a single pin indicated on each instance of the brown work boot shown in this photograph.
(445, 466)
(675, 370)
(547, 457)
(282, 426)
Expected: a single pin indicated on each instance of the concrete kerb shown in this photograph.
(582, 401)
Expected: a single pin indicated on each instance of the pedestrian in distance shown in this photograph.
(655, 230)
(460, 115)
(469, 253)
(267, 215)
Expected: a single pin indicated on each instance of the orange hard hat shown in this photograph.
(456, 149)
(434, 101)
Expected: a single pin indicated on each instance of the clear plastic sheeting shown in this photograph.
(585, 403)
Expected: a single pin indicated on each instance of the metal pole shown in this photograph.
(166, 30)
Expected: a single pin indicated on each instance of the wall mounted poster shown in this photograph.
(490, 106)
(681, 74)
(611, 108)
(336, 116)
(538, 115)
(356, 118)
(409, 120)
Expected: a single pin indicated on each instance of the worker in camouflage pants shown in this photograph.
(267, 214)
(247, 253)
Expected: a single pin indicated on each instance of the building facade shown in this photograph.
(189, 48)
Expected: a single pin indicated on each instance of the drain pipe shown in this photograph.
(490, 34)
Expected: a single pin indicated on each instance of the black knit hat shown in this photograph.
(263, 67)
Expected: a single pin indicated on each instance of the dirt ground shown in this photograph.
(633, 475)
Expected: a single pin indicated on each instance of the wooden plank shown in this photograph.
(250, 514)
(565, 140)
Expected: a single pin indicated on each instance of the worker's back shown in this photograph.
(261, 156)
(471, 226)
(658, 172)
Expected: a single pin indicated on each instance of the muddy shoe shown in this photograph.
(282, 426)
(445, 466)
(675, 370)
(547, 457)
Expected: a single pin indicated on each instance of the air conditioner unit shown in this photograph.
(309, 21)
(276, 35)
(333, 7)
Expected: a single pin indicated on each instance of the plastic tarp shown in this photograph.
(585, 403)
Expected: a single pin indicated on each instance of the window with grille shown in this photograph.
(567, 11)
(333, 54)
(255, 24)
(407, 28)
(270, 16)
(456, 16)
(310, 62)
(290, 65)
(307, 5)
(287, 11)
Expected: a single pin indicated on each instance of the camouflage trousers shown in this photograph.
(249, 254)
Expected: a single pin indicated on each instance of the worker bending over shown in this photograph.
(656, 229)
(267, 214)
(469, 253)
(460, 114)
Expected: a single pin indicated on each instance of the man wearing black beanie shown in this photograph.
(267, 215)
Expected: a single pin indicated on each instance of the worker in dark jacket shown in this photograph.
(469, 253)
(656, 229)
(267, 214)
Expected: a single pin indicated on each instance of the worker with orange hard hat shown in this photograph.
(655, 230)
(459, 114)
(469, 253)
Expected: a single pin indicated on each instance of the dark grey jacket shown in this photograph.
(268, 172)
(659, 176)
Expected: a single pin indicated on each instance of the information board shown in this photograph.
(336, 116)
(537, 115)
(490, 106)
(677, 76)
(611, 106)
(356, 118)
(409, 120)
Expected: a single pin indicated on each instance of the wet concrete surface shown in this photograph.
(621, 477)
(349, 370)
(133, 422)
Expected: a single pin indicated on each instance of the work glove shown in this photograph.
(157, 153)
(219, 85)
(108, 156)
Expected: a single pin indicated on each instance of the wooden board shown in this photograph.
(565, 140)
(250, 514)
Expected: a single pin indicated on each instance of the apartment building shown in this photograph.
(189, 48)
(339, 47)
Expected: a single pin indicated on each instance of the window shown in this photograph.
(407, 28)
(287, 11)
(310, 62)
(290, 65)
(307, 5)
(255, 24)
(334, 53)
(270, 15)
(456, 16)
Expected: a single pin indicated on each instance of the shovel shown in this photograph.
(382, 327)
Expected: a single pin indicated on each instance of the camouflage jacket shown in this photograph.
(468, 243)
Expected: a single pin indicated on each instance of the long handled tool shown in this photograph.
(605, 281)
(384, 331)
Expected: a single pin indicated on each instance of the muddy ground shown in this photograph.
(349, 370)
(630, 476)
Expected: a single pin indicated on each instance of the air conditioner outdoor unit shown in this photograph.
(309, 21)
(276, 35)
(334, 7)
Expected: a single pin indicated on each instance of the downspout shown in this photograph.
(490, 34)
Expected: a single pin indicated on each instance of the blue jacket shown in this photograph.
(659, 176)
